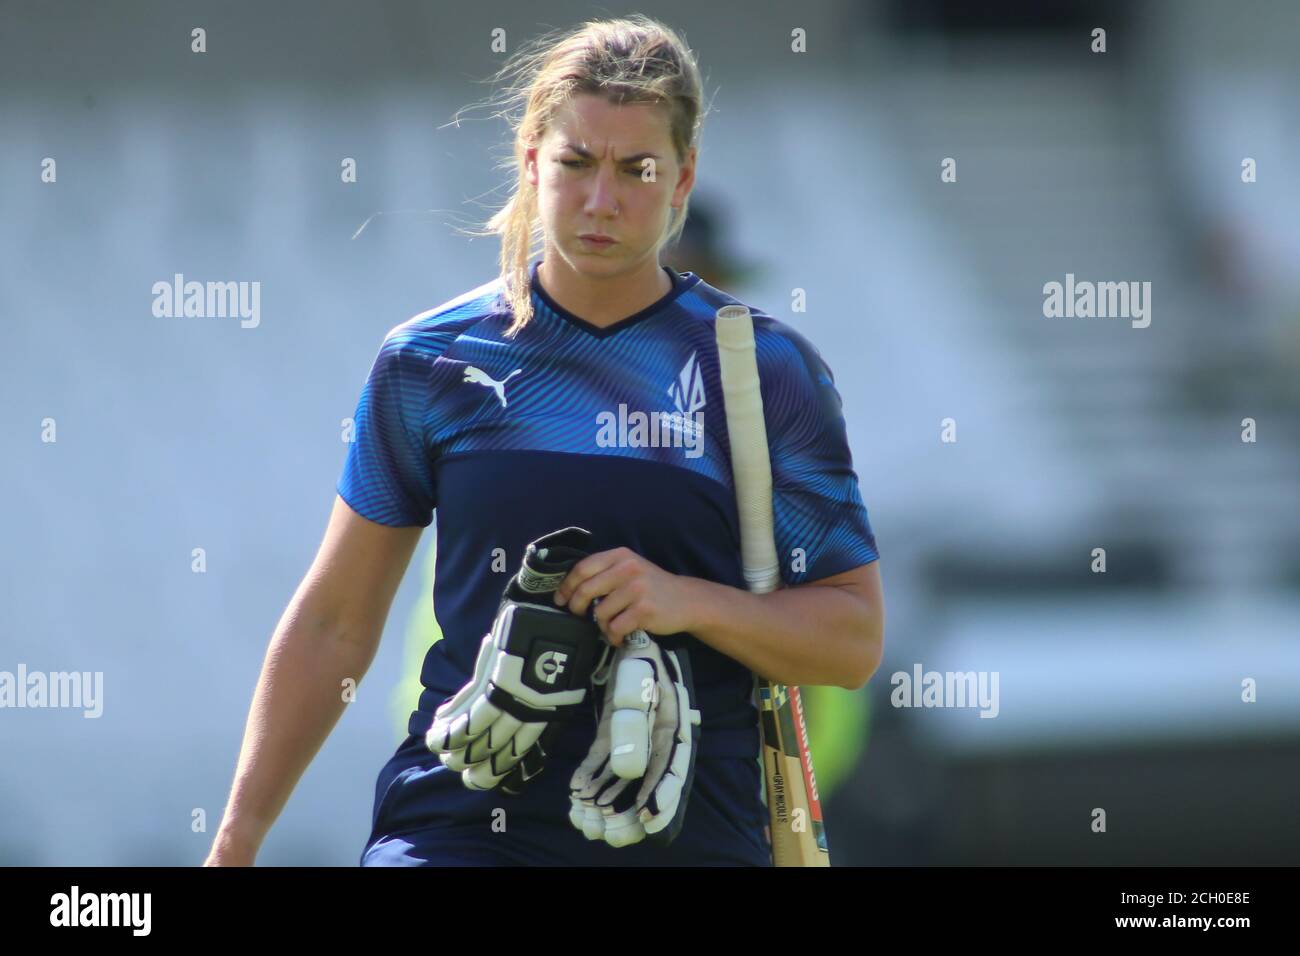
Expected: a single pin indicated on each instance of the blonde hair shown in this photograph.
(632, 59)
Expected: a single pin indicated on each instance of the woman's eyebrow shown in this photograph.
(627, 159)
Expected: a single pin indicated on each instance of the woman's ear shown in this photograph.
(531, 158)
(685, 180)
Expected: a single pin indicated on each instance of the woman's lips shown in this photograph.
(598, 243)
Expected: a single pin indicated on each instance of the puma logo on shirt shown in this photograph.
(480, 377)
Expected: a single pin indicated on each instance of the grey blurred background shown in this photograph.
(1119, 690)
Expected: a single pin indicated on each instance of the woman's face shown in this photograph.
(592, 178)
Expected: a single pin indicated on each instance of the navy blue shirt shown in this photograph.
(619, 430)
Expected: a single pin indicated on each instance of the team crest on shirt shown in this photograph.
(683, 427)
(687, 392)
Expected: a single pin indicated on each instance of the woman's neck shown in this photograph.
(603, 300)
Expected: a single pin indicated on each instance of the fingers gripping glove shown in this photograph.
(635, 780)
(534, 669)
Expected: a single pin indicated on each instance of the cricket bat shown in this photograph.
(798, 833)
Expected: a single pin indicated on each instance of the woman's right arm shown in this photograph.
(329, 632)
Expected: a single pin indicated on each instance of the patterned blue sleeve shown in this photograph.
(821, 523)
(388, 475)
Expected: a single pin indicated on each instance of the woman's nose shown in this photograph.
(601, 198)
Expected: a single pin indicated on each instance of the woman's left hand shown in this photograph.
(631, 593)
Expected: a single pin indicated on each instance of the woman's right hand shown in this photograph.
(229, 852)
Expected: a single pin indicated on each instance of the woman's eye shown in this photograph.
(577, 163)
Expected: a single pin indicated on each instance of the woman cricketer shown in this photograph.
(520, 408)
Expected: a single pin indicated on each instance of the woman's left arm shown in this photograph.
(828, 632)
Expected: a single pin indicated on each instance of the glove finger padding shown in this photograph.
(636, 779)
(589, 779)
(451, 730)
(533, 669)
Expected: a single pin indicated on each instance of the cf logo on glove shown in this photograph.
(550, 666)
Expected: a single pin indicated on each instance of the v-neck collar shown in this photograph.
(681, 282)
